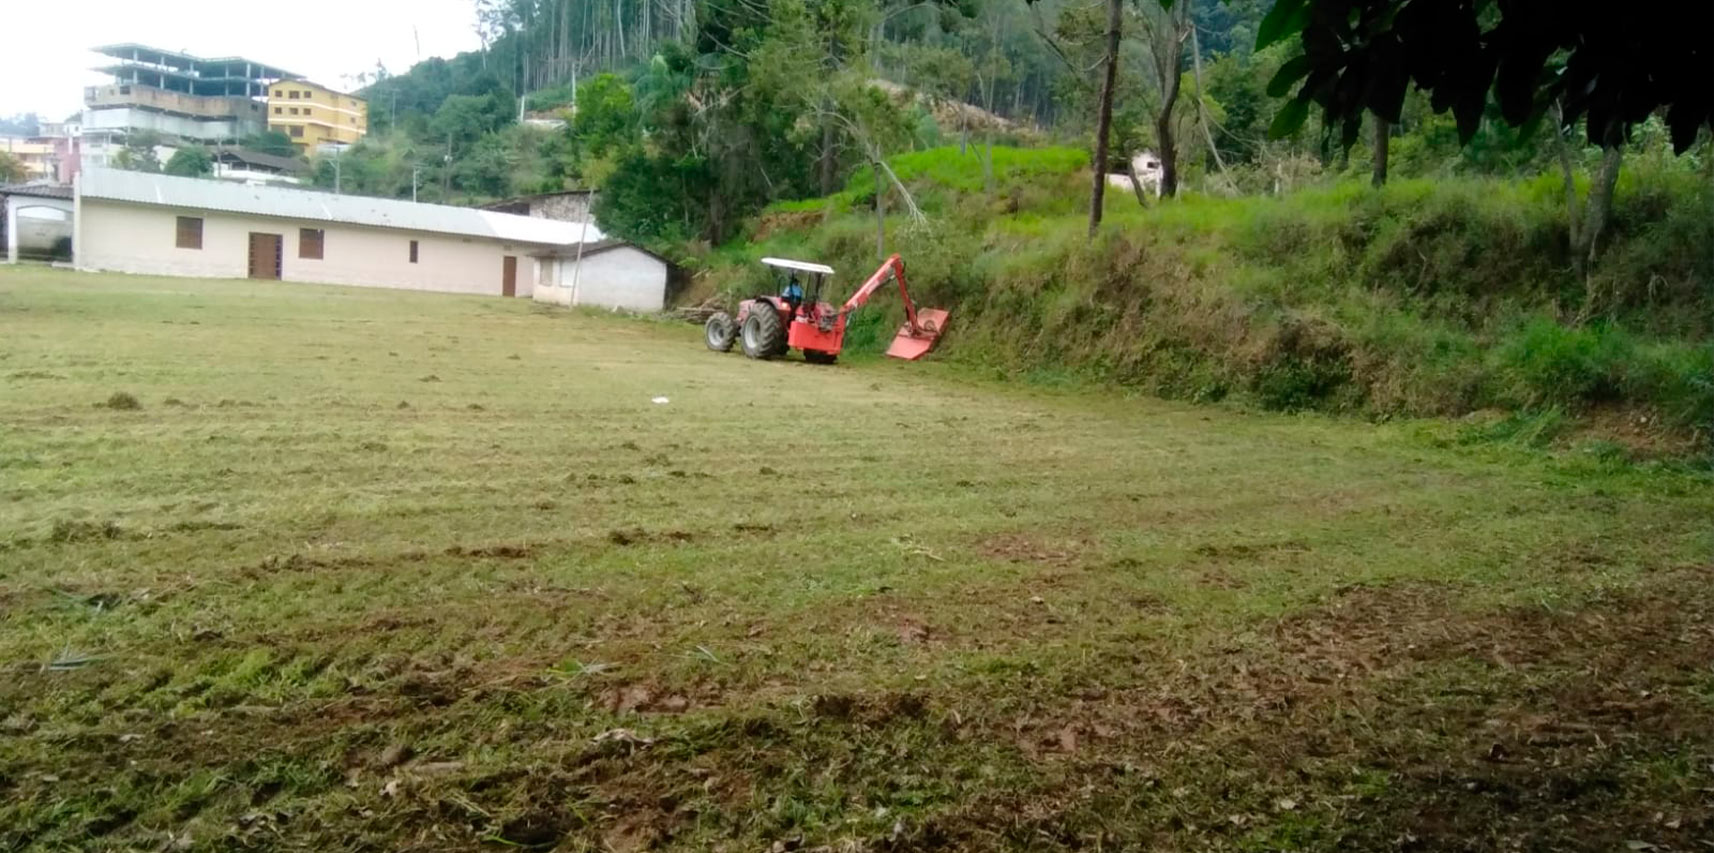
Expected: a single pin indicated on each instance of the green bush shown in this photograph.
(1551, 364)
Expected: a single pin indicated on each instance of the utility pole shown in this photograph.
(336, 183)
(414, 170)
(577, 271)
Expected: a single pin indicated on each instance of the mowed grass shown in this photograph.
(357, 569)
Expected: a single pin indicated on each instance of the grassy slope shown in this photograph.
(372, 570)
(1427, 297)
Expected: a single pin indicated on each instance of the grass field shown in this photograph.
(304, 568)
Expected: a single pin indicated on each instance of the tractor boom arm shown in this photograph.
(893, 267)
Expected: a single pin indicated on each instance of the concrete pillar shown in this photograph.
(11, 229)
(76, 219)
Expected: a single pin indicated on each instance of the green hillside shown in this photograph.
(1428, 296)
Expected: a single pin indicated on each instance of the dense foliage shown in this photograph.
(1582, 57)
(693, 114)
(190, 162)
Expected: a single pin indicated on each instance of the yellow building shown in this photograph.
(315, 115)
(36, 155)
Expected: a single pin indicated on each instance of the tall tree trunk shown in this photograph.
(619, 25)
(826, 166)
(1137, 183)
(1168, 49)
(1600, 207)
(1383, 136)
(1104, 118)
(1584, 227)
(1573, 216)
(1201, 114)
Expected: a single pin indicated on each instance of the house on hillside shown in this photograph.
(564, 205)
(1148, 170)
(232, 163)
(162, 225)
(604, 273)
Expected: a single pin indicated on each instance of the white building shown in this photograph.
(606, 274)
(153, 224)
(1148, 169)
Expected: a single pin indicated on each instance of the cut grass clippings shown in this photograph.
(876, 606)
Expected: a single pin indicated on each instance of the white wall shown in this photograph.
(141, 239)
(624, 277)
(250, 176)
(208, 129)
(547, 282)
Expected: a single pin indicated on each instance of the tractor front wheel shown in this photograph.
(720, 331)
(764, 334)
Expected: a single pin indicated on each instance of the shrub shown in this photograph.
(123, 401)
(1551, 364)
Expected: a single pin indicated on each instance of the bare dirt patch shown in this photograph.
(1515, 728)
(1018, 548)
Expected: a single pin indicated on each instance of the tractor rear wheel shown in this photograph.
(814, 356)
(764, 334)
(720, 331)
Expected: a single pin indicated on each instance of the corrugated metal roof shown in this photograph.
(38, 189)
(291, 203)
(257, 158)
(596, 247)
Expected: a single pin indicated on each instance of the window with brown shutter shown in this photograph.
(310, 242)
(413, 251)
(190, 232)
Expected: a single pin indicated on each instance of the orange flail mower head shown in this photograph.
(919, 335)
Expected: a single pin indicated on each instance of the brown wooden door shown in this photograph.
(509, 276)
(265, 256)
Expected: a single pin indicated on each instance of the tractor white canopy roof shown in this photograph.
(803, 266)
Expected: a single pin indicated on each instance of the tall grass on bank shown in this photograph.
(1422, 297)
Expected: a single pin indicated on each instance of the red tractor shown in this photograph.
(769, 326)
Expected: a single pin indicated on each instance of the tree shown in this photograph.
(943, 75)
(190, 162)
(741, 115)
(272, 142)
(22, 124)
(1168, 25)
(1593, 62)
(1104, 114)
(465, 118)
(606, 115)
(138, 155)
(11, 168)
(1578, 60)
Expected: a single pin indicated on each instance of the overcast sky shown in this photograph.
(45, 59)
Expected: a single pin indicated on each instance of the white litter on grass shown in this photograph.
(661, 401)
